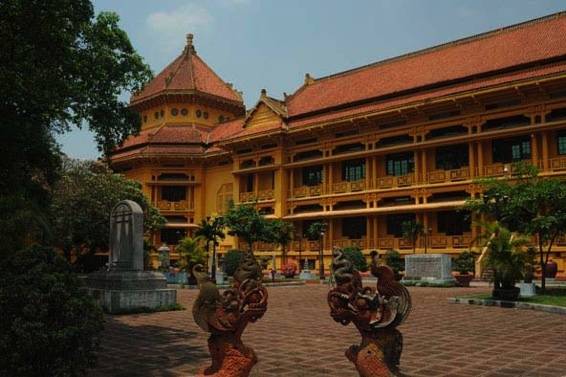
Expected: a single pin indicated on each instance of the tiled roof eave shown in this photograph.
(432, 86)
(248, 137)
(164, 96)
(299, 123)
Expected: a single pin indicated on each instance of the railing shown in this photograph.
(396, 181)
(359, 242)
(261, 195)
(441, 176)
(305, 191)
(341, 187)
(182, 205)
(557, 163)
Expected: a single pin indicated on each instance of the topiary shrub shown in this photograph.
(394, 261)
(355, 255)
(49, 326)
(232, 260)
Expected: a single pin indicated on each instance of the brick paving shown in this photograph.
(297, 337)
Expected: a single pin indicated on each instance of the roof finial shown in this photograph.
(189, 46)
(263, 93)
(308, 79)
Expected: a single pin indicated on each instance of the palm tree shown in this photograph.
(411, 231)
(211, 231)
(191, 253)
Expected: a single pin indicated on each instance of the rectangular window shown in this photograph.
(452, 157)
(174, 193)
(400, 164)
(312, 175)
(511, 150)
(354, 170)
(354, 227)
(394, 223)
(562, 143)
(453, 223)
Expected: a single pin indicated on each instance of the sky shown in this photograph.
(272, 44)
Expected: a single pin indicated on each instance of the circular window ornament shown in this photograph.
(199, 113)
(162, 113)
(221, 118)
(205, 115)
(145, 118)
(156, 115)
(184, 112)
(175, 112)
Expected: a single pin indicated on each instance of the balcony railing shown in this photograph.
(359, 242)
(342, 187)
(182, 205)
(306, 191)
(396, 181)
(261, 195)
(557, 163)
(441, 176)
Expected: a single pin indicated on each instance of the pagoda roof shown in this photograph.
(485, 55)
(166, 140)
(188, 75)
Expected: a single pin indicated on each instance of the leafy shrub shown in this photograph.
(50, 326)
(232, 260)
(355, 255)
(394, 261)
(465, 262)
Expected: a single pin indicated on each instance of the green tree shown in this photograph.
(60, 67)
(50, 326)
(528, 204)
(247, 223)
(82, 201)
(354, 254)
(192, 253)
(211, 230)
(232, 260)
(412, 230)
(281, 233)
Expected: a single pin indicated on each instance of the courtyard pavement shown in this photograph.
(297, 337)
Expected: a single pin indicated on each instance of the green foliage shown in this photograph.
(316, 229)
(504, 255)
(60, 67)
(528, 204)
(411, 232)
(192, 253)
(465, 262)
(232, 260)
(281, 233)
(246, 222)
(49, 327)
(355, 255)
(394, 261)
(82, 201)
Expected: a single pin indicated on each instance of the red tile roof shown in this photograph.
(423, 96)
(188, 73)
(517, 45)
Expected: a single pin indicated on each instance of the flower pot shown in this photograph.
(508, 294)
(551, 269)
(464, 280)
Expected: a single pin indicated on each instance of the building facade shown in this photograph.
(362, 150)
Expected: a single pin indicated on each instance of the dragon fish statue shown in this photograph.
(226, 314)
(375, 311)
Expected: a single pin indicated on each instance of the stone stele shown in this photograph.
(430, 268)
(124, 286)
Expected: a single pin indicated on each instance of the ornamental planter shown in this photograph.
(464, 280)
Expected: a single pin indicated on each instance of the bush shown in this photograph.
(232, 260)
(394, 261)
(465, 262)
(50, 326)
(355, 255)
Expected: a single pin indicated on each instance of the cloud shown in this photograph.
(171, 26)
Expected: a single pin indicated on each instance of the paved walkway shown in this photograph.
(297, 337)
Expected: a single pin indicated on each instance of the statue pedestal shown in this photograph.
(307, 275)
(121, 291)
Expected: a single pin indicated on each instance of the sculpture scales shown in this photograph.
(225, 315)
(375, 311)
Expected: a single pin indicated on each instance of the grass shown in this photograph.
(553, 297)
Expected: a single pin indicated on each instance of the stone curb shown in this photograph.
(509, 304)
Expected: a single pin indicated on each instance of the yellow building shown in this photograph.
(362, 150)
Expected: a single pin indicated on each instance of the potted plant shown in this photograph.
(527, 286)
(395, 262)
(464, 264)
(505, 256)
